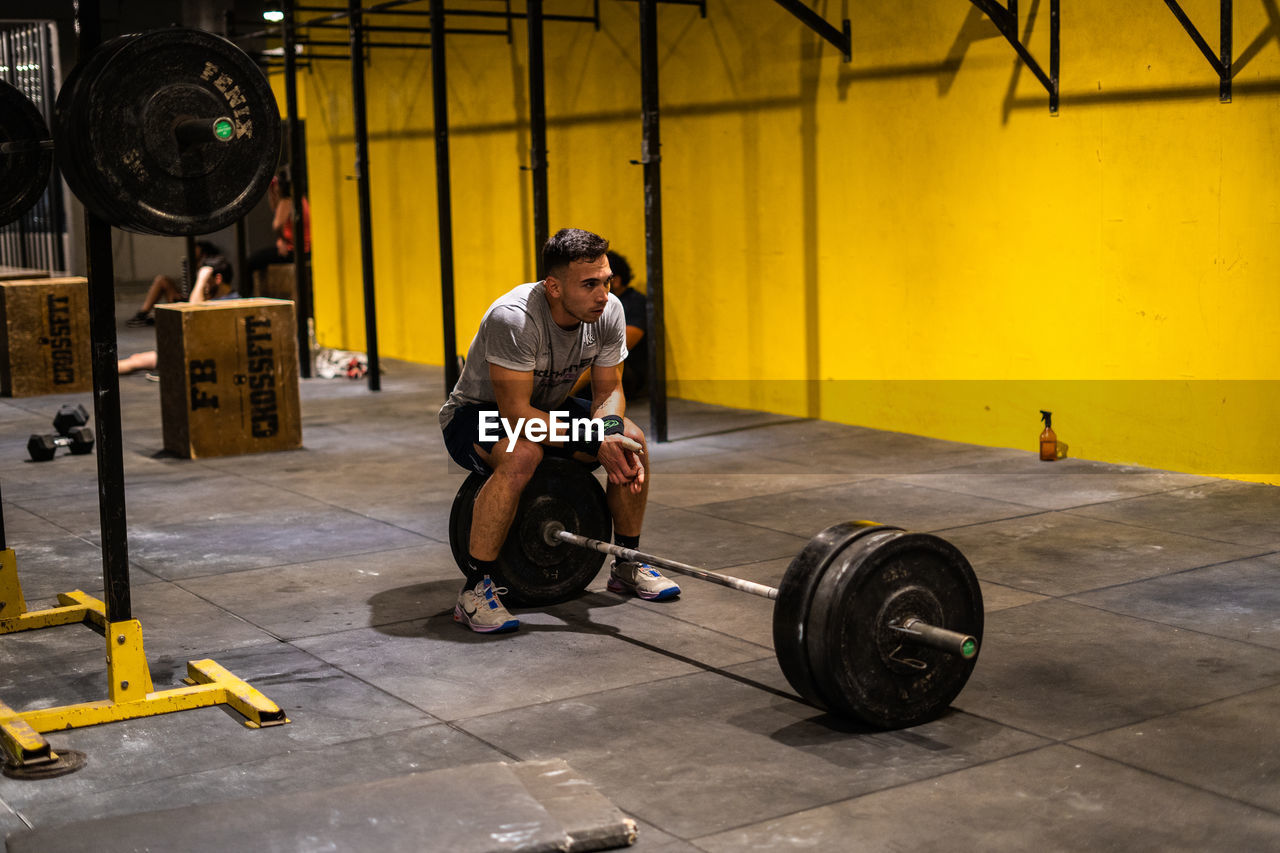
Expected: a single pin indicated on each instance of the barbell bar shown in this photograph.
(26, 146)
(870, 621)
(919, 631)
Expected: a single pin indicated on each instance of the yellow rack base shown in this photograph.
(131, 693)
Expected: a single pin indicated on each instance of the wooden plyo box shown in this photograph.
(8, 273)
(228, 377)
(44, 337)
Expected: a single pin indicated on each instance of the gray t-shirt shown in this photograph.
(517, 333)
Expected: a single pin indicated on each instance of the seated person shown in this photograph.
(280, 197)
(214, 277)
(531, 346)
(165, 289)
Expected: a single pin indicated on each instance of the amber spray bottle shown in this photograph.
(1048, 438)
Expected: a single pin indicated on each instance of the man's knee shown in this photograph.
(519, 463)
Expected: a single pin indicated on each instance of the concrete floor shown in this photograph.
(1126, 697)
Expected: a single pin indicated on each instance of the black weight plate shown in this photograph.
(122, 113)
(536, 573)
(71, 151)
(533, 572)
(864, 669)
(24, 175)
(795, 593)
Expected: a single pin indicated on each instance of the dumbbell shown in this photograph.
(69, 416)
(79, 439)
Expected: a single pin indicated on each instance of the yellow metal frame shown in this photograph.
(131, 693)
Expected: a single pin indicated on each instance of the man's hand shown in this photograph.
(620, 457)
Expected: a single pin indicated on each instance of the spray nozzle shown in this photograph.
(1047, 417)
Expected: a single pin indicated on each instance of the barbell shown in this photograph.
(173, 131)
(870, 621)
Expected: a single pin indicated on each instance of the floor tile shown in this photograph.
(1063, 670)
(757, 755)
(265, 538)
(326, 596)
(999, 597)
(883, 454)
(902, 505)
(1239, 600)
(1227, 747)
(9, 822)
(1244, 513)
(699, 539)
(1057, 798)
(326, 708)
(1057, 553)
(718, 608)
(1024, 479)
(199, 495)
(50, 560)
(454, 673)
(363, 759)
(732, 476)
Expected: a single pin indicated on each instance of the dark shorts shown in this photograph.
(463, 433)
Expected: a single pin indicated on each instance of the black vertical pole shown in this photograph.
(444, 205)
(106, 381)
(298, 189)
(190, 268)
(242, 260)
(652, 161)
(362, 189)
(538, 131)
(1054, 27)
(1224, 83)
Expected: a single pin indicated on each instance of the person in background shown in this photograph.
(213, 281)
(635, 306)
(280, 197)
(165, 289)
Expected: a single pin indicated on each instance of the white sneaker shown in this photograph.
(641, 579)
(480, 610)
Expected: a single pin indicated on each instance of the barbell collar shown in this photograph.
(553, 533)
(964, 645)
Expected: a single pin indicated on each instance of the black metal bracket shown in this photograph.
(1006, 21)
(842, 38)
(701, 4)
(1221, 64)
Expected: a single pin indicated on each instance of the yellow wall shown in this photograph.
(908, 241)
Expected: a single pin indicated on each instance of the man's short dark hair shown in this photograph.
(621, 269)
(571, 244)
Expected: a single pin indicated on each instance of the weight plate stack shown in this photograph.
(125, 145)
(863, 667)
(795, 600)
(24, 172)
(534, 572)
